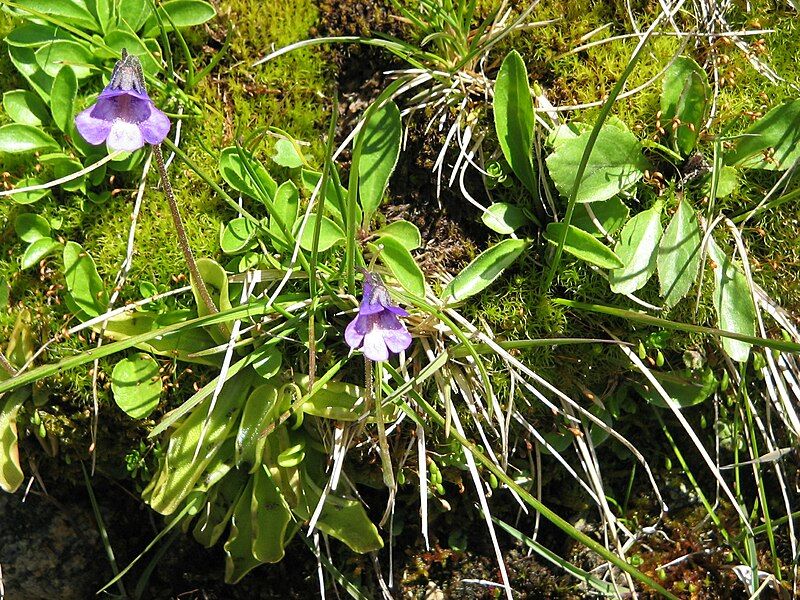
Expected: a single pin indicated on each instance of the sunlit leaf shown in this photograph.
(18, 139)
(678, 259)
(404, 232)
(514, 118)
(25, 107)
(615, 164)
(84, 285)
(484, 269)
(772, 142)
(402, 265)
(637, 248)
(685, 95)
(733, 302)
(504, 218)
(380, 148)
(583, 245)
(237, 236)
(136, 385)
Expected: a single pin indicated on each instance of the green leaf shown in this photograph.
(239, 559)
(183, 13)
(62, 166)
(216, 280)
(310, 180)
(33, 35)
(31, 227)
(29, 197)
(271, 518)
(237, 236)
(62, 99)
(258, 414)
(514, 118)
(380, 148)
(685, 95)
(286, 204)
(69, 11)
(615, 164)
(772, 142)
(399, 261)
(136, 385)
(733, 302)
(678, 259)
(133, 13)
(637, 248)
(484, 269)
(583, 245)
(685, 388)
(330, 234)
(236, 166)
(183, 468)
(17, 139)
(611, 214)
(52, 57)
(24, 60)
(404, 232)
(83, 283)
(504, 218)
(11, 475)
(335, 400)
(286, 154)
(25, 107)
(267, 361)
(38, 250)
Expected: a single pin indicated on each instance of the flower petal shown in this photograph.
(374, 347)
(352, 335)
(395, 334)
(93, 129)
(155, 127)
(124, 136)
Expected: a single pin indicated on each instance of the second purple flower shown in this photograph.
(377, 329)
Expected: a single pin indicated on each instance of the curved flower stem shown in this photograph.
(183, 240)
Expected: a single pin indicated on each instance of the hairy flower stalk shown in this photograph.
(125, 118)
(377, 329)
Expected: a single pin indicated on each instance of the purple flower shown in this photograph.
(123, 117)
(377, 329)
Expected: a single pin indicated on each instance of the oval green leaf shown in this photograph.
(483, 270)
(84, 285)
(733, 302)
(18, 139)
(685, 95)
(380, 148)
(25, 107)
(136, 385)
(330, 234)
(772, 142)
(637, 248)
(583, 245)
(62, 98)
(504, 218)
(237, 236)
(404, 232)
(245, 174)
(399, 261)
(615, 164)
(514, 118)
(31, 227)
(678, 259)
